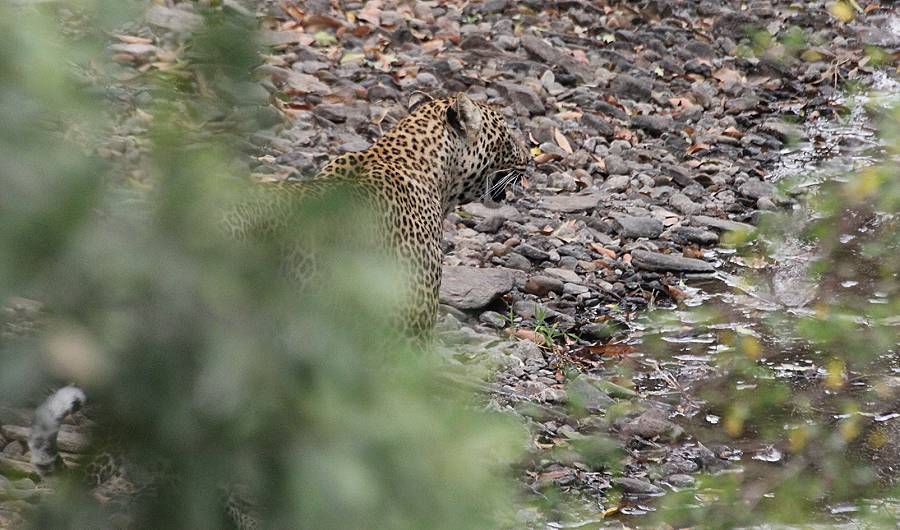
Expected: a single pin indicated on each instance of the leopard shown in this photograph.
(445, 152)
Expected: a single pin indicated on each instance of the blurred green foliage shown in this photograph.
(199, 354)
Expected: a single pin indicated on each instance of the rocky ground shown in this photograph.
(655, 128)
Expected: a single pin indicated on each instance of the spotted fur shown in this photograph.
(446, 152)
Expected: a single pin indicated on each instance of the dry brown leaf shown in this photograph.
(543, 158)
(293, 11)
(433, 46)
(371, 12)
(696, 147)
(129, 39)
(725, 75)
(569, 115)
(676, 294)
(600, 249)
(529, 334)
(562, 141)
(322, 21)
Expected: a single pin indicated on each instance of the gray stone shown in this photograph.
(491, 7)
(615, 165)
(678, 465)
(14, 448)
(681, 481)
(563, 274)
(570, 203)
(477, 209)
(653, 424)
(491, 224)
(473, 288)
(684, 204)
(653, 123)
(630, 87)
(527, 352)
(722, 225)
(635, 227)
(524, 96)
(575, 288)
(528, 309)
(599, 125)
(532, 252)
(741, 104)
(492, 319)
(765, 203)
(426, 79)
(785, 132)
(517, 261)
(691, 234)
(654, 261)
(582, 393)
(756, 189)
(617, 183)
(636, 486)
(333, 112)
(544, 51)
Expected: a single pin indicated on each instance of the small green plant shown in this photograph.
(549, 330)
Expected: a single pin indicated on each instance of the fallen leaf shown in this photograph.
(293, 11)
(128, 39)
(562, 141)
(676, 294)
(600, 249)
(528, 334)
(696, 147)
(543, 158)
(569, 115)
(371, 12)
(322, 21)
(725, 75)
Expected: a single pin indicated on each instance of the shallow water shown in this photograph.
(758, 302)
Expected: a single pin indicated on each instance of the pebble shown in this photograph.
(636, 486)
(582, 393)
(617, 183)
(532, 252)
(635, 227)
(681, 481)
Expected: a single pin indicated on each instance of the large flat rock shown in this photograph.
(570, 203)
(656, 262)
(474, 288)
(723, 225)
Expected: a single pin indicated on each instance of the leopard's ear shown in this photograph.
(464, 117)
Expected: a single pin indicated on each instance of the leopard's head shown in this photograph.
(489, 156)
